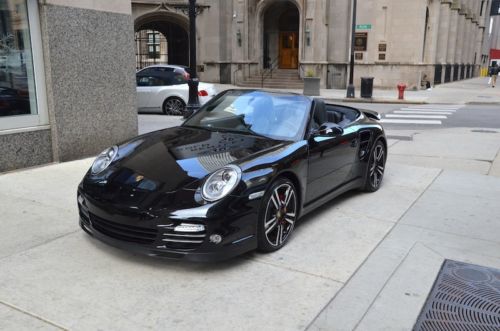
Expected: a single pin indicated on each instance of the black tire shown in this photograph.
(174, 106)
(278, 214)
(376, 167)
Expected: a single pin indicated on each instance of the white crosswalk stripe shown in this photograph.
(438, 106)
(421, 114)
(429, 109)
(431, 122)
(416, 116)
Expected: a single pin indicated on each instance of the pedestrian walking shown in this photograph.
(494, 74)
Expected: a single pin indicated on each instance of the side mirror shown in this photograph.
(328, 129)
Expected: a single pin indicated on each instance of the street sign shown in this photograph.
(363, 27)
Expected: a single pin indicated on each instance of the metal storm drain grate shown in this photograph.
(464, 297)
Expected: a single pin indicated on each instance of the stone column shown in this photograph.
(452, 39)
(315, 54)
(90, 75)
(473, 41)
(466, 44)
(338, 44)
(460, 37)
(443, 35)
(339, 26)
(479, 32)
(470, 39)
(432, 33)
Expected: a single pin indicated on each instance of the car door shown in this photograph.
(145, 89)
(168, 85)
(331, 160)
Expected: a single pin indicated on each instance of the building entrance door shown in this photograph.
(289, 50)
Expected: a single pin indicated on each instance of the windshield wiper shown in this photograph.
(198, 127)
(226, 130)
(253, 133)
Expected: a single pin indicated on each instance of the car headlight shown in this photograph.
(221, 183)
(104, 160)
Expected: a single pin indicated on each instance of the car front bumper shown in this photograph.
(222, 235)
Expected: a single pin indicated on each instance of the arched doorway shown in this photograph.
(281, 35)
(161, 38)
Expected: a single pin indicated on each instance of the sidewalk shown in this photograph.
(364, 261)
(456, 218)
(470, 91)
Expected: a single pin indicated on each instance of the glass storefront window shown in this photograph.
(17, 82)
(23, 103)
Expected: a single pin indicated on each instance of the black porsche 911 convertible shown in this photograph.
(234, 177)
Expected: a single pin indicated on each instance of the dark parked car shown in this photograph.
(235, 177)
(13, 102)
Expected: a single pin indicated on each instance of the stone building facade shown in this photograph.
(67, 79)
(494, 40)
(396, 40)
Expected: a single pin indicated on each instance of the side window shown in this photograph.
(163, 69)
(147, 71)
(143, 81)
(155, 70)
(314, 124)
(178, 78)
(152, 81)
(159, 80)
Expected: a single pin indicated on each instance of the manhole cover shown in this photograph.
(484, 131)
(464, 297)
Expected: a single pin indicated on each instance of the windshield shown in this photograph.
(273, 115)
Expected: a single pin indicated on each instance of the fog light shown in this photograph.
(187, 227)
(216, 238)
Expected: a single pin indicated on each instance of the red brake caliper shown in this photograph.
(283, 210)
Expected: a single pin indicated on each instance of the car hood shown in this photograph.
(179, 157)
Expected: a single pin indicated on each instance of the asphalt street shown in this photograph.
(462, 116)
(456, 116)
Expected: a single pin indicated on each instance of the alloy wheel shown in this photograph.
(174, 106)
(377, 166)
(280, 215)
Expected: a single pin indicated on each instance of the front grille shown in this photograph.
(182, 240)
(84, 215)
(123, 232)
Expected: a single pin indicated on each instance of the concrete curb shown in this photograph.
(386, 101)
(479, 103)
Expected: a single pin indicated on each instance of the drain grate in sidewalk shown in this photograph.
(464, 297)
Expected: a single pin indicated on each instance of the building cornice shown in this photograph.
(455, 5)
(175, 6)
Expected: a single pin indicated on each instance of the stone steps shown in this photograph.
(281, 85)
(281, 78)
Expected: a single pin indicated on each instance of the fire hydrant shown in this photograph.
(401, 90)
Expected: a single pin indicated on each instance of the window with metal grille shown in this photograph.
(154, 44)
